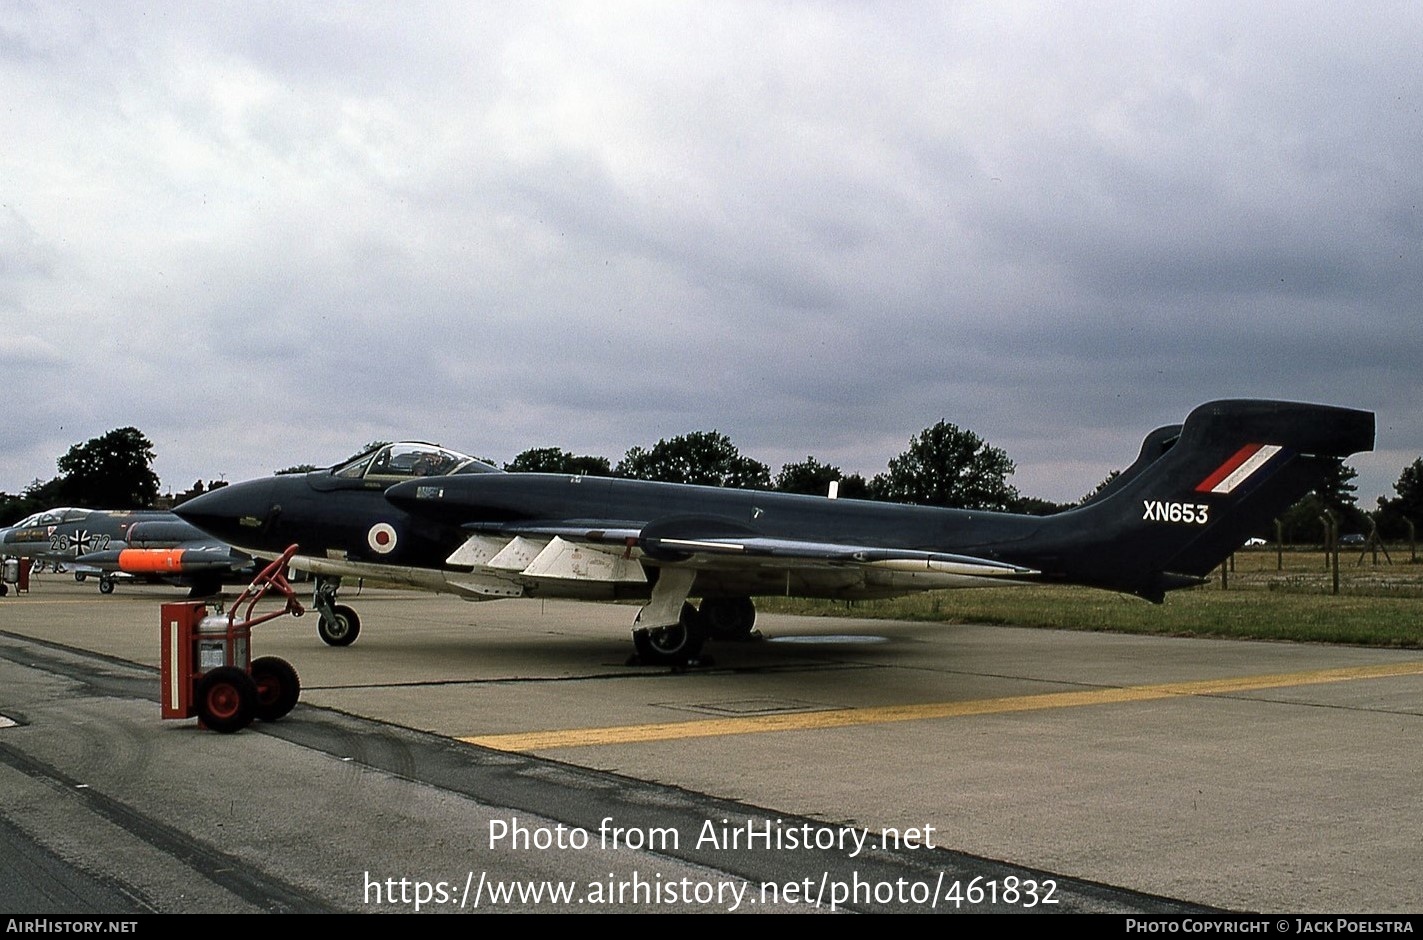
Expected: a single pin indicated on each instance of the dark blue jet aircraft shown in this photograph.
(420, 515)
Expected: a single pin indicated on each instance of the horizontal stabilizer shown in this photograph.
(1316, 430)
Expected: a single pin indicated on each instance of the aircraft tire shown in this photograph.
(227, 699)
(278, 687)
(106, 585)
(728, 618)
(671, 646)
(4, 589)
(341, 629)
(79, 576)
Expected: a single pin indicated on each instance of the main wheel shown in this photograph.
(227, 699)
(340, 629)
(671, 646)
(79, 576)
(106, 585)
(278, 687)
(728, 618)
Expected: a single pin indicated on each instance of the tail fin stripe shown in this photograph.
(1238, 468)
(1225, 469)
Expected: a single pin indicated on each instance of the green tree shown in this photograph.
(949, 466)
(809, 476)
(11, 509)
(1107, 481)
(1337, 489)
(39, 495)
(813, 478)
(1406, 506)
(1334, 495)
(555, 460)
(707, 458)
(1033, 506)
(1304, 521)
(110, 472)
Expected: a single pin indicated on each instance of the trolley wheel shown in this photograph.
(278, 687)
(106, 585)
(342, 628)
(227, 699)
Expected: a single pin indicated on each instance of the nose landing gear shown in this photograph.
(339, 625)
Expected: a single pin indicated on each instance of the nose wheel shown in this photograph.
(340, 628)
(338, 624)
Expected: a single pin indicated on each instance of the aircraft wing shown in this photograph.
(793, 553)
(706, 543)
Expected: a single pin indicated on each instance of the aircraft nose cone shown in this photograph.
(231, 511)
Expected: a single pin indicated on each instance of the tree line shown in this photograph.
(943, 465)
(114, 471)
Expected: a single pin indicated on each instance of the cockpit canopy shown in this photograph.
(407, 460)
(52, 517)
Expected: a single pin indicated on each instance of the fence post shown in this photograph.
(1331, 547)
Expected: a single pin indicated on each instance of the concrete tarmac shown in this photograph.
(1133, 774)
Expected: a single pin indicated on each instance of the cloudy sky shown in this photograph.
(266, 234)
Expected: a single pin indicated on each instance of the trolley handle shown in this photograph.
(270, 579)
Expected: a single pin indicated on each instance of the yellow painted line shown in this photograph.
(849, 717)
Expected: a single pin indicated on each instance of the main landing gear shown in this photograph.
(669, 630)
(677, 644)
(676, 631)
(338, 624)
(728, 618)
(680, 644)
